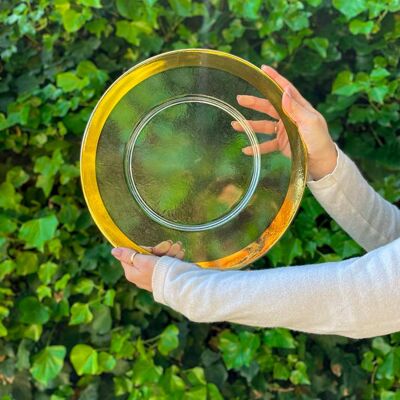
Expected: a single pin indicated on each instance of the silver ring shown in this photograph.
(132, 258)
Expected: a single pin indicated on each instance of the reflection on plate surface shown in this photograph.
(160, 160)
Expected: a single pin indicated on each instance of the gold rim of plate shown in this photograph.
(194, 58)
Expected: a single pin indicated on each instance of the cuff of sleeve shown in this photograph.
(335, 176)
(160, 273)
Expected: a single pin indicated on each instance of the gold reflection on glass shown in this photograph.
(160, 160)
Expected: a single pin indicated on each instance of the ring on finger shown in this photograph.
(132, 258)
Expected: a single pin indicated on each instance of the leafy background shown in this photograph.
(71, 327)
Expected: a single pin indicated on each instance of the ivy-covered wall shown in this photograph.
(71, 327)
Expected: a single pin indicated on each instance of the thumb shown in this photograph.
(292, 107)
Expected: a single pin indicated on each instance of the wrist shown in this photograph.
(324, 164)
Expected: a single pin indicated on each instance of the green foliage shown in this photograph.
(70, 326)
(48, 363)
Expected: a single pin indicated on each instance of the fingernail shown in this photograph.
(239, 96)
(179, 242)
(288, 91)
(234, 123)
(246, 151)
(116, 252)
(263, 66)
(170, 241)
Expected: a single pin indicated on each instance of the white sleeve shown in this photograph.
(358, 298)
(348, 198)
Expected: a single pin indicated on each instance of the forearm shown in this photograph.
(348, 198)
(356, 298)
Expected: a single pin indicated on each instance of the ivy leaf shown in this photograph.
(297, 21)
(109, 297)
(360, 27)
(42, 292)
(31, 311)
(84, 359)
(390, 366)
(26, 263)
(90, 3)
(379, 73)
(378, 93)
(168, 340)
(281, 371)
(121, 345)
(280, 338)
(6, 267)
(68, 82)
(73, 20)
(299, 375)
(36, 232)
(7, 225)
(47, 271)
(86, 69)
(181, 7)
(238, 351)
(48, 363)
(314, 3)
(3, 330)
(213, 392)
(80, 314)
(127, 8)
(196, 376)
(17, 176)
(144, 371)
(106, 362)
(286, 250)
(84, 286)
(350, 8)
(131, 31)
(319, 44)
(48, 168)
(344, 84)
(9, 198)
(102, 321)
(245, 9)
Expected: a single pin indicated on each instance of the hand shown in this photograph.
(312, 126)
(139, 268)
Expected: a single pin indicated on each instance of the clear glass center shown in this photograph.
(184, 174)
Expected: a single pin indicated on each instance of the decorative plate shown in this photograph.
(160, 160)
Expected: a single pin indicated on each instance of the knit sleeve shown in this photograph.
(348, 198)
(358, 298)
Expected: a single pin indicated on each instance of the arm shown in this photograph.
(358, 298)
(337, 185)
(348, 198)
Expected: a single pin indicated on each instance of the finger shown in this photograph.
(124, 254)
(284, 84)
(148, 248)
(180, 254)
(266, 147)
(175, 249)
(258, 104)
(267, 127)
(296, 111)
(162, 248)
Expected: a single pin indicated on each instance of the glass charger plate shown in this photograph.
(160, 160)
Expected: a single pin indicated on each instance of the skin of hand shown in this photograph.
(141, 271)
(322, 154)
